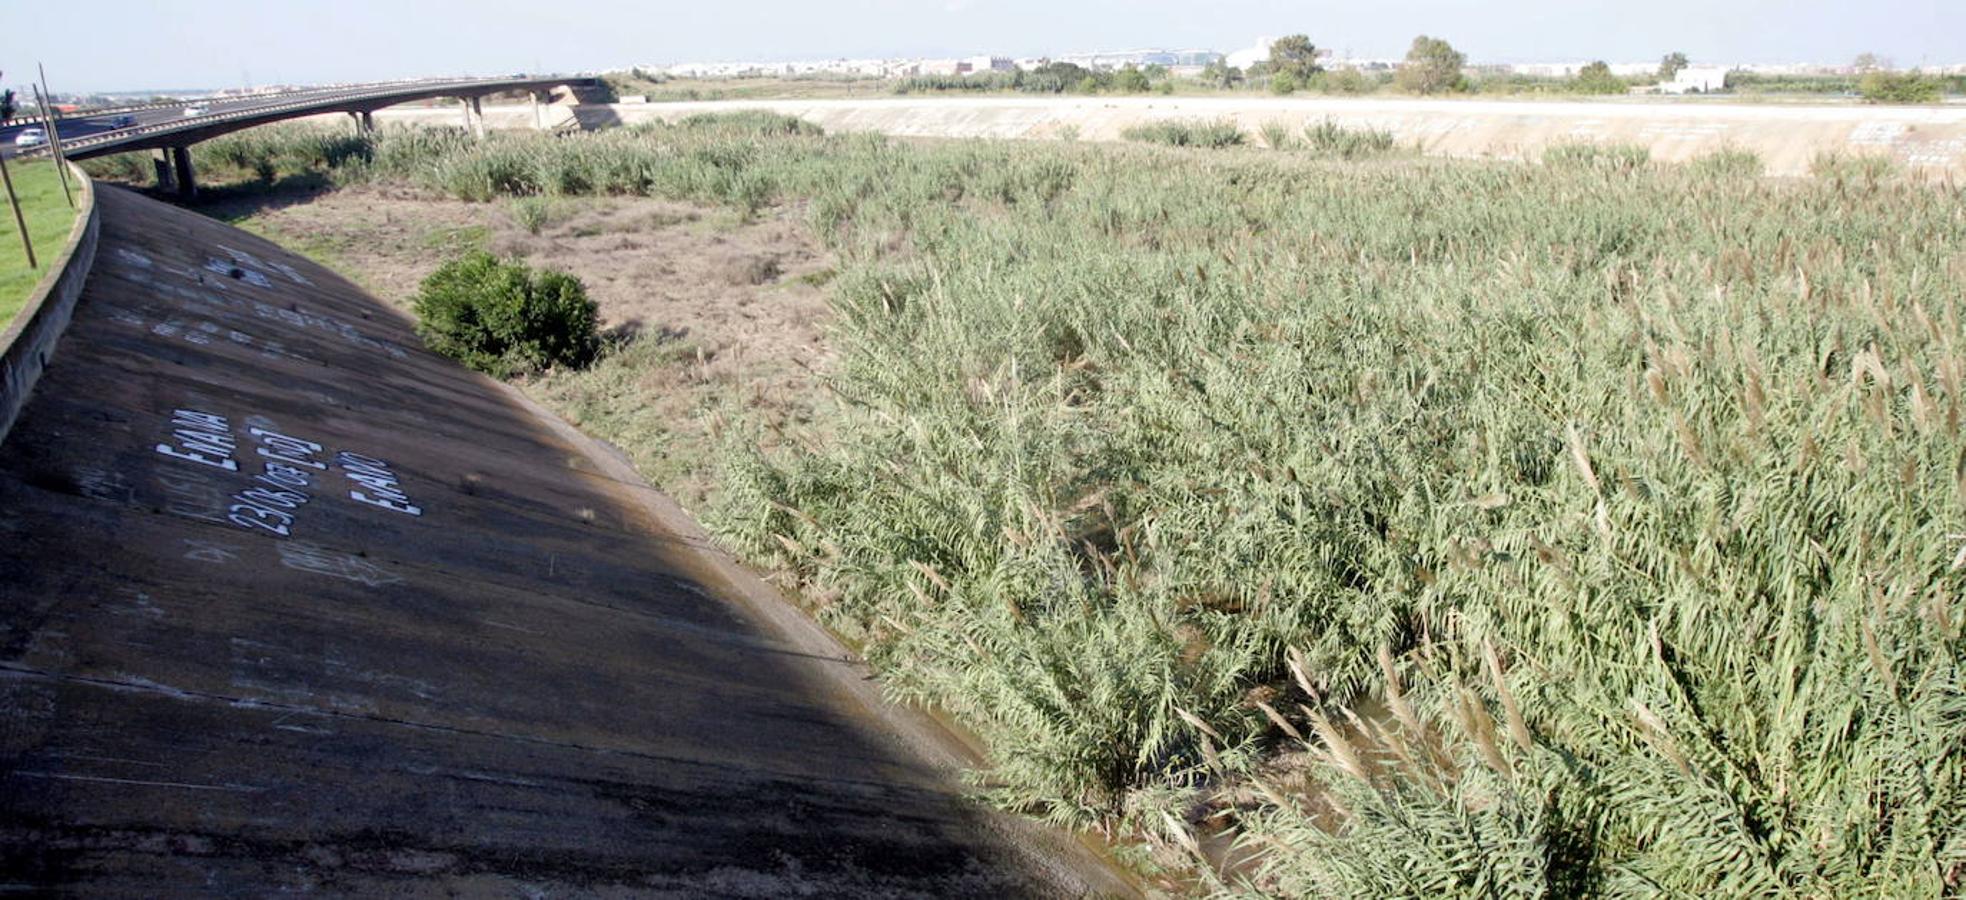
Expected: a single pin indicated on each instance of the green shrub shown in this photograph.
(751, 122)
(1276, 136)
(1213, 135)
(1432, 66)
(503, 318)
(1130, 80)
(531, 213)
(1283, 84)
(1328, 138)
(123, 168)
(1852, 167)
(1602, 157)
(1898, 87)
(1346, 81)
(1596, 78)
(1728, 163)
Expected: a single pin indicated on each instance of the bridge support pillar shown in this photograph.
(160, 162)
(364, 121)
(187, 179)
(477, 115)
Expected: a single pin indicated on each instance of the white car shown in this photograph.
(31, 137)
(196, 109)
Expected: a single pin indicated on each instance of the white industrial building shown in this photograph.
(1249, 56)
(1696, 80)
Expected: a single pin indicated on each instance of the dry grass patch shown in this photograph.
(706, 317)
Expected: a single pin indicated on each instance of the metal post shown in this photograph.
(26, 242)
(54, 143)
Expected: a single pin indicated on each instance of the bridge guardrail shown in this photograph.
(29, 341)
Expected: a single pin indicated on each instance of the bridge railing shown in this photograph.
(97, 112)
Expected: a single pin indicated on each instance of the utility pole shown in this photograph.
(54, 143)
(26, 242)
(54, 135)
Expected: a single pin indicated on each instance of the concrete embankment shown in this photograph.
(288, 603)
(1786, 136)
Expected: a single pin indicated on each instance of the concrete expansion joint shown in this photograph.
(145, 686)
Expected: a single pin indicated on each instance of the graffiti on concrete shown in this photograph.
(289, 469)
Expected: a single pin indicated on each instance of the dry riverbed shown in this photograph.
(708, 313)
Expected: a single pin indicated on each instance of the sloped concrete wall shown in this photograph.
(1786, 136)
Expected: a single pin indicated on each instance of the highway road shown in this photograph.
(290, 604)
(95, 124)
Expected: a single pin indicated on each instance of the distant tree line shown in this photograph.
(1050, 78)
(1432, 66)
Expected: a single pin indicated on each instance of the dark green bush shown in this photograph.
(504, 318)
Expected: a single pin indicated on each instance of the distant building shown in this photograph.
(1696, 80)
(976, 64)
(1116, 59)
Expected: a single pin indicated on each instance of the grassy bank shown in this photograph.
(49, 219)
(1428, 528)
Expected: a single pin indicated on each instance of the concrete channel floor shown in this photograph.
(288, 603)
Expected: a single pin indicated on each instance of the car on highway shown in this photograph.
(31, 137)
(123, 121)
(196, 109)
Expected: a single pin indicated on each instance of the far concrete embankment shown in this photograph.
(1786, 136)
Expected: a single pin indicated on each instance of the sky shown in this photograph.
(144, 44)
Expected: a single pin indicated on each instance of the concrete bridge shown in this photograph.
(164, 129)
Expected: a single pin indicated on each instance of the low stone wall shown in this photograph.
(29, 342)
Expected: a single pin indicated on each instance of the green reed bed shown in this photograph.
(1429, 528)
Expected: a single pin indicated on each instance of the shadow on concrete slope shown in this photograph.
(288, 603)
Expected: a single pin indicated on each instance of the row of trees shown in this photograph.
(1050, 78)
(1432, 66)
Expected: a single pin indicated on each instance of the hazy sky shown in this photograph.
(132, 44)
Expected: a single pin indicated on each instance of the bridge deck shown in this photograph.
(478, 659)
